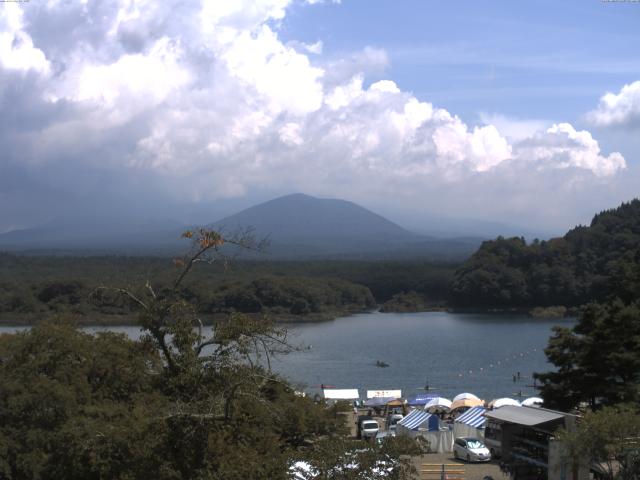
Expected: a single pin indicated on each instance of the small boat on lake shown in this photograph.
(381, 364)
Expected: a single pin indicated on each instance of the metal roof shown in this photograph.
(528, 416)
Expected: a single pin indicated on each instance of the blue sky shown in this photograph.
(516, 112)
(543, 59)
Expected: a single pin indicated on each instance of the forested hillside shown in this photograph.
(35, 287)
(590, 263)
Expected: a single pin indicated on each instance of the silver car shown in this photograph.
(471, 450)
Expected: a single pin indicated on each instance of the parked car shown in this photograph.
(471, 450)
(392, 421)
(367, 427)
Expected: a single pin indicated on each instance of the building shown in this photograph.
(529, 447)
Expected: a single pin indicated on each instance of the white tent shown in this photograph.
(470, 424)
(532, 402)
(438, 404)
(422, 424)
(501, 402)
(341, 394)
(384, 393)
(465, 396)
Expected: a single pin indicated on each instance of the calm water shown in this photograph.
(455, 353)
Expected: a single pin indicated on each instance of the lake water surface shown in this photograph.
(454, 353)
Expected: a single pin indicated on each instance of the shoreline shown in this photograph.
(128, 320)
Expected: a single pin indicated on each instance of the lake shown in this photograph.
(454, 353)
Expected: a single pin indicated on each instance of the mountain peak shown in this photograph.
(316, 223)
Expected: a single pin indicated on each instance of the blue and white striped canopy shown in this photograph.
(473, 417)
(414, 419)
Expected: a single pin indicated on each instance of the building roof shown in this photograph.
(528, 416)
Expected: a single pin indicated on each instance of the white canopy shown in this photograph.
(465, 396)
(341, 394)
(501, 402)
(438, 403)
(384, 393)
(532, 402)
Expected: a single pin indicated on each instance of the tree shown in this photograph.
(609, 440)
(183, 402)
(598, 262)
(598, 360)
(339, 458)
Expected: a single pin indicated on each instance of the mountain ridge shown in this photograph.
(299, 226)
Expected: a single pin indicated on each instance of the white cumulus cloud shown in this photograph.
(618, 109)
(17, 51)
(206, 96)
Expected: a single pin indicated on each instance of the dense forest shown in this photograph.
(35, 287)
(590, 263)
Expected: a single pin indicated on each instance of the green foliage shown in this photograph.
(406, 302)
(588, 264)
(34, 287)
(340, 458)
(608, 439)
(597, 361)
(183, 402)
(72, 404)
(295, 295)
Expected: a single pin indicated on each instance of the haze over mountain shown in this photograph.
(300, 225)
(297, 225)
(326, 225)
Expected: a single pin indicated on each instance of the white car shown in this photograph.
(369, 429)
(471, 450)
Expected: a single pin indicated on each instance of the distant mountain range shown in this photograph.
(298, 226)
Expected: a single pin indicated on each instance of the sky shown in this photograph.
(526, 113)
